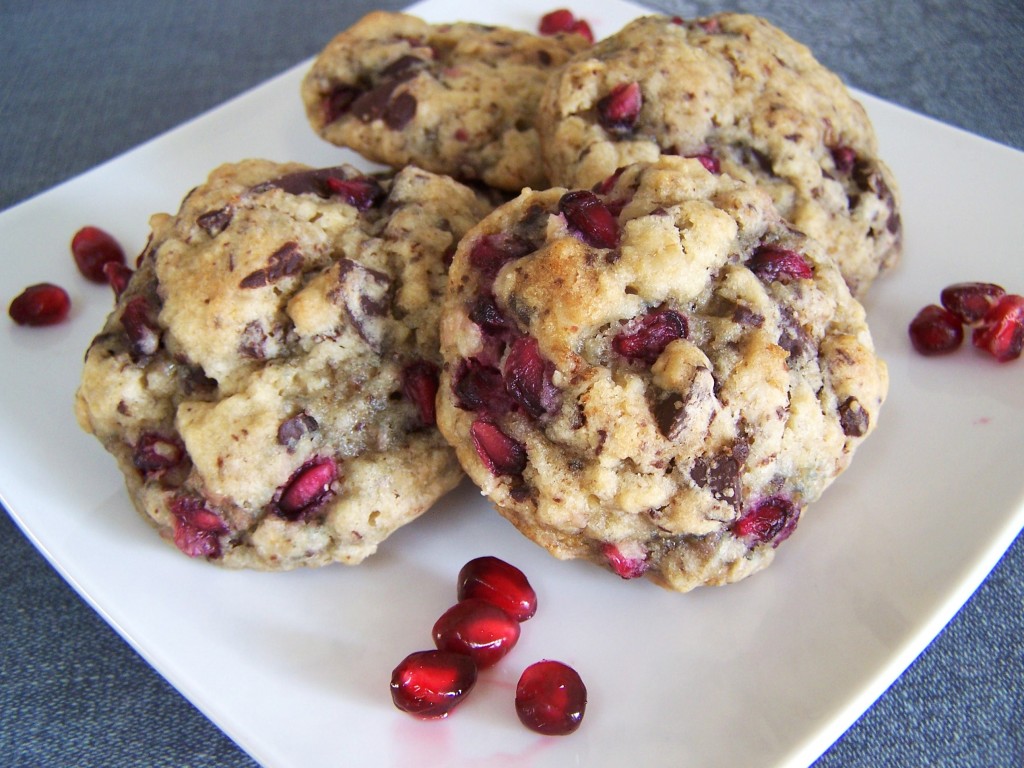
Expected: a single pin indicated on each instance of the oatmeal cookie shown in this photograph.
(458, 99)
(266, 381)
(747, 100)
(658, 375)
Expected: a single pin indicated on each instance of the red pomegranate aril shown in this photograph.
(430, 684)
(627, 566)
(618, 111)
(154, 454)
(769, 520)
(845, 158)
(935, 331)
(496, 581)
(197, 530)
(92, 248)
(528, 378)
(501, 454)
(551, 698)
(479, 387)
(771, 263)
(40, 304)
(419, 384)
(648, 339)
(361, 192)
(1001, 330)
(605, 186)
(590, 218)
(478, 629)
(142, 333)
(117, 276)
(970, 301)
(491, 252)
(708, 160)
(308, 488)
(563, 20)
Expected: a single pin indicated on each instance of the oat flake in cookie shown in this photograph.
(658, 376)
(266, 382)
(459, 98)
(747, 100)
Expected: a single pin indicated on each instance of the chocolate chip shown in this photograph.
(853, 418)
(678, 413)
(400, 111)
(365, 295)
(338, 101)
(215, 222)
(720, 475)
(293, 430)
(253, 341)
(313, 181)
(284, 262)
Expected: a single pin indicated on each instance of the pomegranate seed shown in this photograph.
(479, 387)
(431, 683)
(117, 275)
(143, 334)
(308, 488)
(361, 192)
(630, 566)
(935, 331)
(488, 315)
(154, 454)
(772, 263)
(561, 20)
(651, 335)
(772, 519)
(590, 218)
(197, 530)
(581, 27)
(40, 304)
(92, 248)
(707, 158)
(551, 698)
(711, 26)
(970, 301)
(501, 454)
(478, 629)
(1001, 331)
(492, 579)
(845, 158)
(528, 378)
(294, 429)
(618, 111)
(491, 252)
(338, 102)
(606, 186)
(419, 384)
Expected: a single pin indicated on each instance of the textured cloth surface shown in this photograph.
(82, 82)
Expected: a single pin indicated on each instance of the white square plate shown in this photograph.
(295, 667)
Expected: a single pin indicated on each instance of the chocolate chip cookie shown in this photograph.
(459, 99)
(745, 99)
(658, 375)
(266, 381)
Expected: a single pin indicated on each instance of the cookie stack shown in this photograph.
(615, 284)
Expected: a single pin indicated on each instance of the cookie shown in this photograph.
(459, 99)
(266, 380)
(748, 101)
(658, 376)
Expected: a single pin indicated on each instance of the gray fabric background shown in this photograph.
(82, 82)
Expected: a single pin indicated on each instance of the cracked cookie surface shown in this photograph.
(459, 99)
(747, 100)
(658, 375)
(266, 381)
